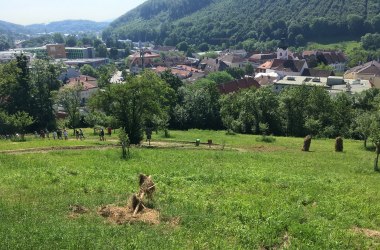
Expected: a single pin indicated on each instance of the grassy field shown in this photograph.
(250, 195)
(344, 46)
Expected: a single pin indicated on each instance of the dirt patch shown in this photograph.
(285, 243)
(261, 148)
(50, 149)
(76, 211)
(124, 215)
(367, 232)
(175, 222)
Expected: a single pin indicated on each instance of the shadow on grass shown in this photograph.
(370, 148)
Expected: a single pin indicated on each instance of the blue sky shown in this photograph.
(44, 11)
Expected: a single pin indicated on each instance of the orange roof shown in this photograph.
(86, 82)
(266, 65)
(175, 71)
(309, 53)
(191, 69)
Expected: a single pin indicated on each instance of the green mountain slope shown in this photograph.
(230, 21)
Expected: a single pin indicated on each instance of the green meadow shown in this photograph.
(239, 194)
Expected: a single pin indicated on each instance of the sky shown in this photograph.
(44, 11)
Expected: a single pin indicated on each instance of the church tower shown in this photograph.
(282, 51)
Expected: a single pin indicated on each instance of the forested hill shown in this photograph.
(7, 28)
(229, 21)
(68, 26)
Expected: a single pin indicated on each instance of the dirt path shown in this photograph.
(153, 145)
(50, 149)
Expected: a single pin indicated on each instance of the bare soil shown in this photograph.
(367, 232)
(124, 215)
(76, 211)
(50, 149)
(261, 148)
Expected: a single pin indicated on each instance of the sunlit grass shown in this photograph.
(244, 197)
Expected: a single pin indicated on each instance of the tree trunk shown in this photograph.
(365, 143)
(307, 143)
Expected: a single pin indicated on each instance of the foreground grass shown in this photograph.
(226, 199)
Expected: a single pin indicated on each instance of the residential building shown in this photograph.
(210, 65)
(69, 73)
(240, 53)
(369, 71)
(149, 57)
(258, 59)
(335, 59)
(266, 78)
(283, 67)
(233, 61)
(181, 71)
(237, 85)
(86, 85)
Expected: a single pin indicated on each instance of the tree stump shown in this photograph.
(339, 144)
(147, 187)
(306, 144)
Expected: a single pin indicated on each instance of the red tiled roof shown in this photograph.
(237, 85)
(178, 72)
(188, 68)
(87, 82)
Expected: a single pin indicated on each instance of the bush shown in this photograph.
(266, 138)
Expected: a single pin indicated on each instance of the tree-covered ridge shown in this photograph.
(171, 9)
(68, 26)
(6, 27)
(231, 21)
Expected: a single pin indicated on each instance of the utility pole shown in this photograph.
(142, 56)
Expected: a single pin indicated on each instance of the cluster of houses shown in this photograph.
(279, 70)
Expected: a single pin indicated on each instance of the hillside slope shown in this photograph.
(231, 21)
(68, 26)
(7, 27)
